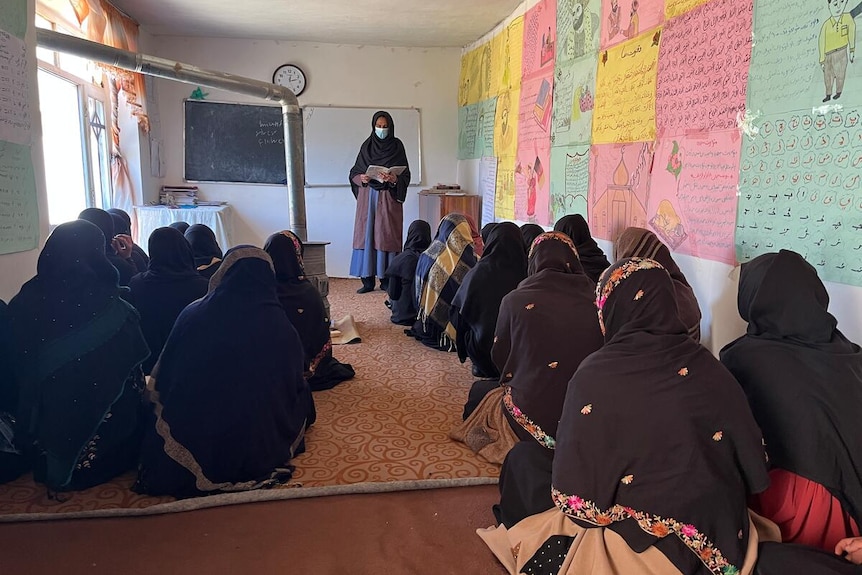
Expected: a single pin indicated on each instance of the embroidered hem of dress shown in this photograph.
(528, 424)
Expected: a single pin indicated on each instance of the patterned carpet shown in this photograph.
(389, 424)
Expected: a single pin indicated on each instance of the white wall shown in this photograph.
(15, 269)
(343, 75)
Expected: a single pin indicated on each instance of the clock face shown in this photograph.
(291, 77)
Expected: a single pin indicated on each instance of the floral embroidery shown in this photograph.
(320, 355)
(587, 409)
(300, 310)
(530, 306)
(553, 364)
(697, 542)
(609, 282)
(559, 236)
(516, 550)
(627, 480)
(718, 436)
(683, 372)
(639, 295)
(528, 424)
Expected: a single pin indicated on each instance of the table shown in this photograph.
(218, 218)
(434, 205)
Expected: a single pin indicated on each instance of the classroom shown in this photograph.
(725, 129)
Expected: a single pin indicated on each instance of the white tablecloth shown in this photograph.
(218, 218)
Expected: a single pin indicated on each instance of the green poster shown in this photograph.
(476, 130)
(19, 211)
(13, 17)
(570, 181)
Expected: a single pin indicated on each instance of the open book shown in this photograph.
(377, 172)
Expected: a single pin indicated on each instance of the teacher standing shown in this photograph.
(377, 229)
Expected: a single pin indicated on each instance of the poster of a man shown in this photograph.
(837, 47)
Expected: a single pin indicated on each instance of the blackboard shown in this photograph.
(333, 136)
(234, 143)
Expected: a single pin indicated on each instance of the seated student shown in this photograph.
(401, 274)
(208, 254)
(641, 243)
(803, 379)
(181, 227)
(233, 420)
(545, 330)
(592, 257)
(486, 230)
(304, 307)
(656, 451)
(117, 249)
(529, 232)
(478, 241)
(12, 463)
(77, 350)
(474, 310)
(123, 225)
(439, 273)
(165, 289)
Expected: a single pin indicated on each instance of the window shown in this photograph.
(75, 133)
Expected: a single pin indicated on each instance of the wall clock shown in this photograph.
(291, 77)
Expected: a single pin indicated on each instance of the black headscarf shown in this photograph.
(304, 307)
(546, 328)
(486, 230)
(182, 227)
(476, 305)
(402, 272)
(656, 440)
(76, 344)
(530, 232)
(163, 291)
(103, 220)
(592, 257)
(123, 225)
(803, 378)
(641, 243)
(233, 421)
(387, 152)
(208, 254)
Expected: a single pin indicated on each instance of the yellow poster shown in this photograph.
(504, 200)
(468, 92)
(673, 8)
(625, 91)
(497, 60)
(513, 48)
(506, 124)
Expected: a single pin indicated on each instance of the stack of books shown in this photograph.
(178, 196)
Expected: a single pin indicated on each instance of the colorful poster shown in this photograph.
(15, 117)
(540, 39)
(625, 19)
(475, 80)
(693, 193)
(619, 187)
(476, 130)
(803, 56)
(506, 124)
(532, 190)
(513, 45)
(674, 8)
(570, 181)
(498, 62)
(574, 101)
(13, 17)
(625, 91)
(578, 25)
(801, 189)
(504, 201)
(19, 211)
(703, 68)
(487, 188)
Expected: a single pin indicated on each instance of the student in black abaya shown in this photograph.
(401, 274)
(474, 310)
(123, 225)
(530, 232)
(165, 289)
(118, 249)
(304, 307)
(486, 230)
(181, 227)
(592, 257)
(207, 253)
(12, 463)
(231, 405)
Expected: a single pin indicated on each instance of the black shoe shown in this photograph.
(384, 284)
(367, 285)
(836, 96)
(364, 289)
(827, 98)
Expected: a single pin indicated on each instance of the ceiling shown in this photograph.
(418, 23)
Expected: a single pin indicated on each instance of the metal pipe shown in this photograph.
(172, 70)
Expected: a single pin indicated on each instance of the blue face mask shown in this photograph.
(381, 132)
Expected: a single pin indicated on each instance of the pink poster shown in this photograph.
(693, 194)
(540, 39)
(619, 187)
(703, 68)
(533, 163)
(625, 19)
